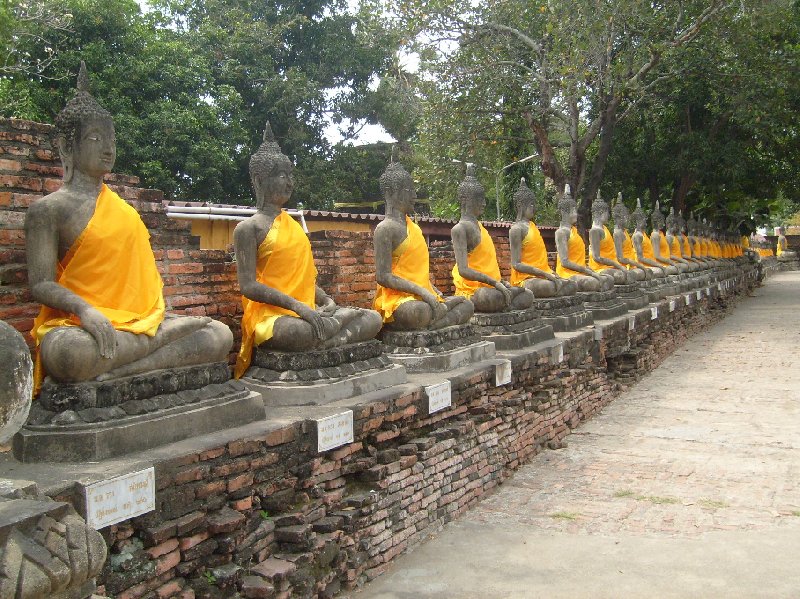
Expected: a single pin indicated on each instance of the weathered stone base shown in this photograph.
(512, 330)
(632, 295)
(439, 350)
(603, 304)
(785, 264)
(327, 390)
(321, 376)
(207, 410)
(565, 313)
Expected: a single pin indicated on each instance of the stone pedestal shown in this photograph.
(16, 381)
(46, 549)
(97, 420)
(565, 313)
(632, 295)
(321, 376)
(514, 329)
(439, 350)
(603, 305)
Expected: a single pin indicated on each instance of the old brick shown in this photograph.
(163, 548)
(225, 520)
(274, 569)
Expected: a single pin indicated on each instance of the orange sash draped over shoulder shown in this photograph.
(685, 247)
(285, 263)
(627, 250)
(576, 252)
(607, 250)
(483, 259)
(410, 261)
(663, 248)
(675, 247)
(647, 247)
(110, 266)
(534, 253)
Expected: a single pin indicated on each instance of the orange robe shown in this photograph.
(410, 261)
(647, 247)
(110, 266)
(576, 252)
(663, 247)
(285, 263)
(483, 259)
(534, 254)
(628, 252)
(675, 247)
(686, 248)
(607, 251)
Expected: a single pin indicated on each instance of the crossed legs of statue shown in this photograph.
(345, 325)
(488, 299)
(415, 315)
(71, 354)
(542, 288)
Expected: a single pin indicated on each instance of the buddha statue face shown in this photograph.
(600, 212)
(94, 148)
(398, 188)
(471, 194)
(568, 208)
(271, 173)
(525, 202)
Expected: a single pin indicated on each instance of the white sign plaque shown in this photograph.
(502, 373)
(119, 498)
(631, 323)
(719, 286)
(438, 396)
(557, 354)
(334, 431)
(699, 294)
(688, 298)
(653, 312)
(672, 305)
(708, 291)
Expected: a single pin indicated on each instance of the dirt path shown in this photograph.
(688, 485)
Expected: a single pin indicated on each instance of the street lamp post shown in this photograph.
(497, 179)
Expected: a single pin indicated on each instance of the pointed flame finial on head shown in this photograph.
(268, 136)
(83, 79)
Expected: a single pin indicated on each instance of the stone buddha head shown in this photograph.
(600, 212)
(271, 173)
(397, 188)
(471, 195)
(657, 218)
(524, 201)
(85, 133)
(567, 207)
(620, 212)
(639, 216)
(672, 221)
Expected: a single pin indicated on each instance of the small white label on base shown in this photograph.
(557, 353)
(438, 396)
(334, 431)
(688, 298)
(631, 323)
(719, 286)
(598, 333)
(672, 305)
(708, 291)
(502, 373)
(699, 294)
(653, 312)
(120, 498)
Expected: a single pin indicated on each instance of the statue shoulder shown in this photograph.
(390, 231)
(48, 211)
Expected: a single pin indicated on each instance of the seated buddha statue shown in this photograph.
(529, 265)
(699, 248)
(623, 245)
(674, 243)
(602, 252)
(406, 299)
(284, 308)
(642, 245)
(571, 260)
(782, 250)
(658, 241)
(91, 266)
(476, 273)
(687, 251)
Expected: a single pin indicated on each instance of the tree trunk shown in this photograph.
(681, 189)
(551, 168)
(653, 189)
(598, 166)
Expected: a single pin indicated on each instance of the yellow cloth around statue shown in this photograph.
(534, 253)
(675, 247)
(663, 247)
(483, 259)
(576, 252)
(627, 250)
(607, 251)
(285, 263)
(110, 266)
(410, 261)
(647, 248)
(685, 246)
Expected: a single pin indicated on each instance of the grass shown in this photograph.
(651, 498)
(796, 513)
(712, 504)
(565, 515)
